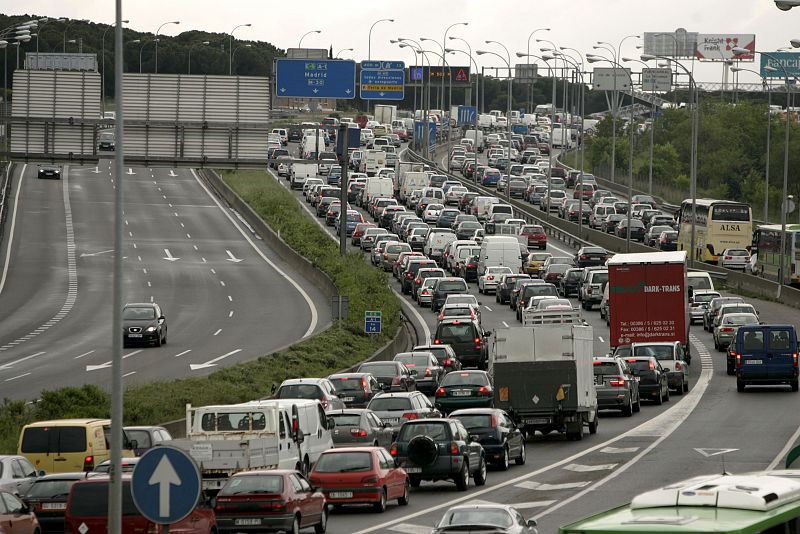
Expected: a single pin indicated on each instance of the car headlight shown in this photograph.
(151, 328)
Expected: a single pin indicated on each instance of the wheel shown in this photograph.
(795, 385)
(520, 460)
(403, 501)
(480, 474)
(730, 369)
(659, 399)
(296, 525)
(680, 389)
(593, 425)
(380, 506)
(505, 461)
(739, 386)
(322, 526)
(158, 341)
(685, 386)
(462, 479)
(415, 481)
(628, 410)
(638, 406)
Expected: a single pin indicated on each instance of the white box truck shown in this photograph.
(385, 114)
(377, 187)
(374, 160)
(404, 167)
(543, 377)
(413, 181)
(301, 172)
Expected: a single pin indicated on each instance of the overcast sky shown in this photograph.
(345, 23)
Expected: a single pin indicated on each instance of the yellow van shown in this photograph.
(68, 445)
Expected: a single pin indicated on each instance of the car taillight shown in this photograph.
(88, 463)
(370, 480)
(651, 365)
(726, 329)
(454, 450)
(396, 381)
(440, 392)
(427, 372)
(424, 292)
(477, 342)
(410, 415)
(393, 449)
(152, 528)
(358, 432)
(418, 281)
(385, 256)
(617, 383)
(739, 359)
(483, 390)
(324, 403)
(409, 275)
(728, 257)
(794, 359)
(471, 266)
(437, 341)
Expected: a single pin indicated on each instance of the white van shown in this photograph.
(481, 205)
(412, 181)
(377, 187)
(499, 208)
(312, 143)
(437, 240)
(499, 251)
(373, 161)
(433, 192)
(283, 133)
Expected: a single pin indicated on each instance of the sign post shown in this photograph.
(165, 485)
(345, 158)
(383, 80)
(372, 322)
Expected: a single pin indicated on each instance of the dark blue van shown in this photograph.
(765, 355)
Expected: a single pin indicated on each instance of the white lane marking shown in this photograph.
(785, 450)
(134, 245)
(487, 307)
(232, 258)
(90, 254)
(188, 236)
(130, 234)
(78, 357)
(213, 271)
(666, 418)
(230, 298)
(11, 232)
(16, 377)
(9, 365)
(203, 259)
(175, 213)
(169, 256)
(230, 313)
(601, 339)
(182, 353)
(213, 362)
(408, 528)
(505, 324)
(540, 486)
(195, 247)
(149, 284)
(106, 365)
(128, 374)
(580, 468)
(565, 251)
(126, 222)
(532, 504)
(183, 226)
(144, 271)
(620, 450)
(217, 332)
(314, 315)
(222, 283)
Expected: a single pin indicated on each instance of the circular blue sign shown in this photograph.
(165, 485)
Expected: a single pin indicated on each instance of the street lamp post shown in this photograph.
(67, 26)
(652, 128)
(156, 41)
(230, 46)
(416, 60)
(300, 42)
(444, 61)
(233, 55)
(528, 62)
(339, 53)
(189, 69)
(42, 23)
(471, 62)
(444, 44)
(424, 103)
(369, 36)
(581, 109)
(141, 48)
(508, 118)
(102, 60)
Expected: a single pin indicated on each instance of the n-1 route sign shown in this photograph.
(372, 322)
(165, 485)
(315, 78)
(383, 80)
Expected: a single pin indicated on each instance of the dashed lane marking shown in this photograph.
(619, 450)
(540, 486)
(580, 468)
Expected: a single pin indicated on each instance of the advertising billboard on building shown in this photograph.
(603, 79)
(679, 43)
(784, 63)
(719, 46)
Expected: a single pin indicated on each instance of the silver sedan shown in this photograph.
(358, 426)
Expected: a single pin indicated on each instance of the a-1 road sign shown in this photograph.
(382, 80)
(165, 485)
(315, 78)
(372, 322)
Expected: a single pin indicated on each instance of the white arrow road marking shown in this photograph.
(714, 452)
(169, 256)
(9, 365)
(619, 450)
(165, 476)
(107, 364)
(212, 363)
(408, 528)
(96, 171)
(532, 504)
(233, 258)
(539, 486)
(86, 255)
(172, 173)
(130, 171)
(580, 468)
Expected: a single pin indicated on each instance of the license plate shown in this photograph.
(462, 393)
(54, 506)
(340, 494)
(248, 521)
(134, 335)
(753, 362)
(413, 470)
(348, 399)
(391, 421)
(537, 421)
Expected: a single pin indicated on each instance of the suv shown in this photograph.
(673, 357)
(447, 286)
(591, 291)
(467, 339)
(439, 449)
(617, 388)
(311, 388)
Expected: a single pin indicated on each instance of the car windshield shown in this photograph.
(477, 516)
(347, 383)
(390, 404)
(452, 285)
(704, 297)
(599, 278)
(344, 462)
(139, 313)
(457, 311)
(661, 352)
(436, 431)
(605, 368)
(346, 419)
(736, 252)
(379, 369)
(699, 282)
(465, 379)
(462, 333)
(413, 361)
(471, 421)
(50, 489)
(298, 391)
(253, 484)
(740, 319)
(540, 290)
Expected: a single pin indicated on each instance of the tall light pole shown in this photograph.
(230, 46)
(652, 125)
(444, 60)
(472, 62)
(425, 103)
(564, 101)
(339, 53)
(42, 23)
(189, 69)
(141, 48)
(369, 36)
(70, 23)
(528, 62)
(248, 45)
(444, 44)
(134, 41)
(441, 52)
(300, 42)
(578, 66)
(402, 45)
(694, 102)
(156, 41)
(102, 60)
(738, 51)
(508, 118)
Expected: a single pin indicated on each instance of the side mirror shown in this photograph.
(40, 473)
(212, 502)
(531, 523)
(330, 422)
(487, 334)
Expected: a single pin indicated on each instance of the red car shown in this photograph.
(18, 516)
(535, 234)
(360, 475)
(87, 511)
(270, 501)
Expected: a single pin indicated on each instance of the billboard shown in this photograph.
(59, 61)
(657, 80)
(456, 74)
(611, 79)
(719, 46)
(679, 43)
(780, 61)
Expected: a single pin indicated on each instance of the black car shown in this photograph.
(668, 241)
(295, 132)
(444, 354)
(439, 449)
(465, 389)
(652, 378)
(591, 256)
(355, 389)
(570, 283)
(609, 224)
(637, 229)
(143, 323)
(506, 287)
(424, 367)
(447, 286)
(49, 171)
(392, 376)
(467, 339)
(410, 273)
(499, 436)
(48, 498)
(468, 269)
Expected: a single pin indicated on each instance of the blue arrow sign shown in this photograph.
(466, 115)
(315, 78)
(165, 485)
(382, 80)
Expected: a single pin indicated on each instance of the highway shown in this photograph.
(563, 481)
(217, 283)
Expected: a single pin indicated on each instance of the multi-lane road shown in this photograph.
(226, 296)
(563, 481)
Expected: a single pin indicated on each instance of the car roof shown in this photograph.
(474, 411)
(398, 394)
(294, 381)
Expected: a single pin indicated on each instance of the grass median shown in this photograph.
(319, 355)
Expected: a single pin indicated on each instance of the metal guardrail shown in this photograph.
(6, 169)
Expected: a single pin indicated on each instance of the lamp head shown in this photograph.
(739, 51)
(206, 42)
(481, 52)
(769, 68)
(795, 43)
(647, 57)
(786, 5)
